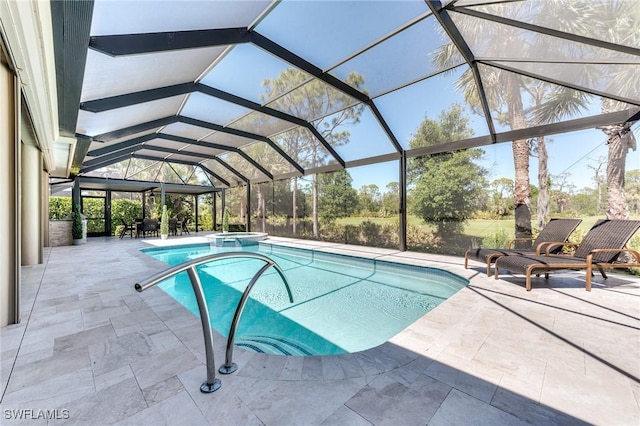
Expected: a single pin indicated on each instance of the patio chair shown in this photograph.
(126, 228)
(599, 248)
(150, 226)
(185, 226)
(555, 231)
(173, 227)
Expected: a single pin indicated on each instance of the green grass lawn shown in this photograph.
(474, 228)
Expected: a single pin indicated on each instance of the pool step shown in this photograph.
(273, 345)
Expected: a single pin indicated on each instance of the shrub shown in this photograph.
(164, 222)
(76, 228)
(497, 240)
(225, 221)
(420, 239)
(59, 208)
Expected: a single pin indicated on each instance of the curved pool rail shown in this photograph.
(229, 366)
(212, 384)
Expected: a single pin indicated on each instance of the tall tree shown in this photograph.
(336, 195)
(632, 190)
(369, 196)
(501, 193)
(313, 101)
(620, 140)
(446, 185)
(562, 189)
(599, 179)
(391, 198)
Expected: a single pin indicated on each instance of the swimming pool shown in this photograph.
(341, 303)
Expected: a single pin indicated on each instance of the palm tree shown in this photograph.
(505, 90)
(620, 20)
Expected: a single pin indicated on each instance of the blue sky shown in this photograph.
(570, 153)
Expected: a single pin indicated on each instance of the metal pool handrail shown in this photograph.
(212, 384)
(229, 366)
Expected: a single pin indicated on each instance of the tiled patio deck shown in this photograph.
(91, 350)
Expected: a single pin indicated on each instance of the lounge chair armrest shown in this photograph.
(540, 248)
(511, 243)
(634, 253)
(551, 246)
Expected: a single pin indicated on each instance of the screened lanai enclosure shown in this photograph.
(421, 125)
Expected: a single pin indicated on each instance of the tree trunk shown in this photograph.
(522, 187)
(316, 230)
(616, 164)
(261, 209)
(543, 183)
(294, 213)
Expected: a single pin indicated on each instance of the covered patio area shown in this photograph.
(90, 349)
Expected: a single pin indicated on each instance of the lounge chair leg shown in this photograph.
(603, 273)
(496, 271)
(466, 261)
(528, 277)
(546, 276)
(491, 259)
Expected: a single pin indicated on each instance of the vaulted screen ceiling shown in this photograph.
(249, 91)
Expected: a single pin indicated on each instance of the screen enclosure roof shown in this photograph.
(226, 93)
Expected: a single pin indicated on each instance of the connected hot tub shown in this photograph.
(236, 239)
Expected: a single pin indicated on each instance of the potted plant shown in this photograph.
(164, 224)
(76, 226)
(225, 221)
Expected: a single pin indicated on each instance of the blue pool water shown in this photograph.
(341, 303)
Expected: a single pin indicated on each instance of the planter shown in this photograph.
(164, 236)
(78, 242)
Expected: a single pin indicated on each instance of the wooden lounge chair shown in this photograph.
(555, 231)
(599, 248)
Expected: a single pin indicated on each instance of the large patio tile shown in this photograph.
(163, 390)
(224, 406)
(385, 401)
(106, 406)
(157, 367)
(177, 410)
(83, 339)
(458, 374)
(344, 416)
(279, 403)
(60, 364)
(50, 393)
(461, 409)
(119, 351)
(595, 394)
(530, 410)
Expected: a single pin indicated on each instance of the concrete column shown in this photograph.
(45, 211)
(9, 188)
(31, 200)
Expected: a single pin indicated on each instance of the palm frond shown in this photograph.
(558, 104)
